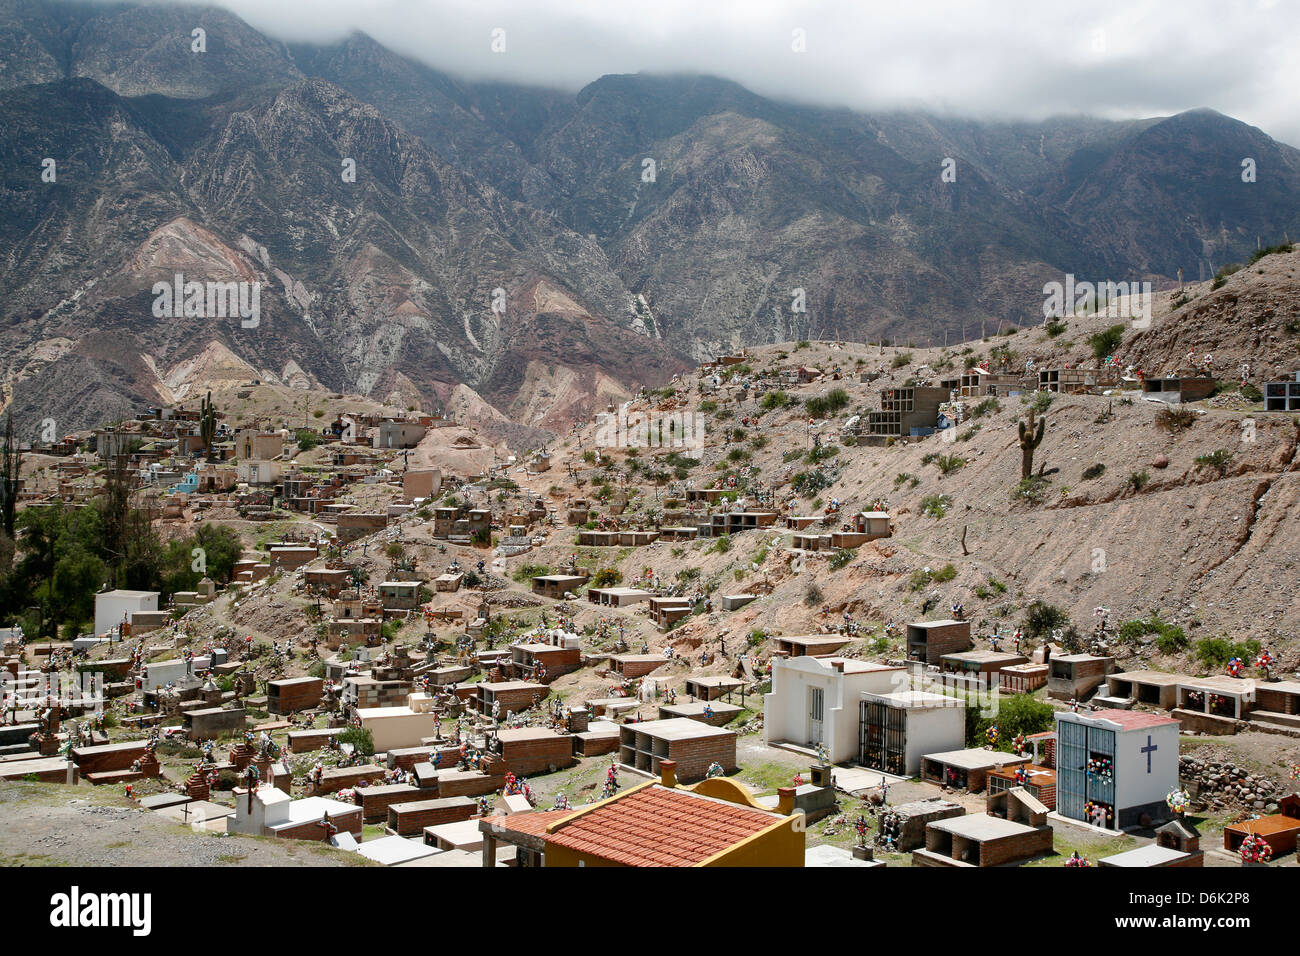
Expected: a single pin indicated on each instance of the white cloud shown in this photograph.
(979, 58)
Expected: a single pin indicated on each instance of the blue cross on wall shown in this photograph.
(1148, 750)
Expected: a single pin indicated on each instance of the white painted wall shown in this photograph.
(394, 727)
(1133, 785)
(785, 709)
(933, 730)
(111, 606)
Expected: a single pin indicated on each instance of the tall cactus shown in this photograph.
(1030, 438)
(207, 424)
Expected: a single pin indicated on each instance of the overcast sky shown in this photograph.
(979, 58)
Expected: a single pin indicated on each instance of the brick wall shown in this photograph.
(1020, 847)
(288, 698)
(348, 821)
(341, 778)
(468, 783)
(527, 757)
(375, 801)
(410, 819)
(105, 757)
(301, 741)
(694, 756)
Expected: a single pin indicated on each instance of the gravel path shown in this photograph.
(50, 825)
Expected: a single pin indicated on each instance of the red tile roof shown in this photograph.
(1134, 719)
(656, 826)
(532, 824)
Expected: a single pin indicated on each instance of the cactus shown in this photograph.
(1030, 438)
(207, 424)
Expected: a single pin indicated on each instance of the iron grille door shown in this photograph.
(1071, 769)
(872, 734)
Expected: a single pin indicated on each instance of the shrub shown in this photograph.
(1105, 343)
(1174, 419)
(1138, 479)
(1054, 328)
(986, 407)
(1218, 460)
(1040, 401)
(922, 576)
(901, 359)
(606, 578)
(1170, 638)
(774, 401)
(949, 463)
(1017, 714)
(1271, 250)
(360, 738)
(840, 558)
(1033, 489)
(1217, 651)
(1042, 618)
(1221, 277)
(935, 506)
(527, 572)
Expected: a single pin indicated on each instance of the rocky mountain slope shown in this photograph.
(762, 221)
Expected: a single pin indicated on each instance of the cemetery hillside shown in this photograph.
(694, 436)
(296, 613)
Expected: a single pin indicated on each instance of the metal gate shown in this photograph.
(1076, 744)
(882, 737)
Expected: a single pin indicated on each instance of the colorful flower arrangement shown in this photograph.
(611, 782)
(715, 770)
(863, 826)
(1235, 667)
(1100, 767)
(991, 735)
(1178, 801)
(1092, 810)
(1078, 861)
(561, 802)
(1018, 745)
(1255, 849)
(1295, 772)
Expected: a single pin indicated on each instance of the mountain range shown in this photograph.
(548, 251)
